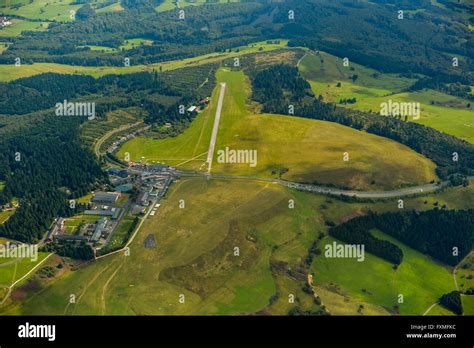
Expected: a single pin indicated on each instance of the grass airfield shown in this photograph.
(308, 150)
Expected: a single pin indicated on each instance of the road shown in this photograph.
(215, 129)
(408, 191)
(99, 142)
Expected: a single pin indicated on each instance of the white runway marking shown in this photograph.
(215, 129)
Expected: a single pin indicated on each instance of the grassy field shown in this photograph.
(55, 10)
(167, 5)
(7, 73)
(191, 242)
(194, 256)
(100, 48)
(52, 10)
(133, 43)
(116, 7)
(468, 304)
(4, 46)
(127, 45)
(19, 25)
(465, 273)
(119, 234)
(419, 279)
(5, 215)
(13, 269)
(304, 148)
(329, 78)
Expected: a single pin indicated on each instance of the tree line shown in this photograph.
(446, 235)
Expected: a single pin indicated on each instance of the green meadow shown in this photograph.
(132, 43)
(19, 25)
(305, 149)
(194, 256)
(13, 269)
(331, 79)
(7, 73)
(55, 10)
(51, 10)
(191, 242)
(5, 215)
(167, 5)
(419, 279)
(468, 304)
(294, 148)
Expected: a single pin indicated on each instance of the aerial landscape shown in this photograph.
(226, 157)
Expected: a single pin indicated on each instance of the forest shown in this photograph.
(380, 39)
(446, 235)
(44, 166)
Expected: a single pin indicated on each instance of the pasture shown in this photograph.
(329, 78)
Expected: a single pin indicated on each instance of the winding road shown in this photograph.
(403, 192)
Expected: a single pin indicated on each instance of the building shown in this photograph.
(193, 108)
(4, 22)
(113, 212)
(143, 198)
(67, 237)
(101, 224)
(118, 172)
(106, 197)
(57, 227)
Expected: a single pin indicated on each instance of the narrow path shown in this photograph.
(107, 135)
(104, 289)
(10, 288)
(431, 307)
(215, 129)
